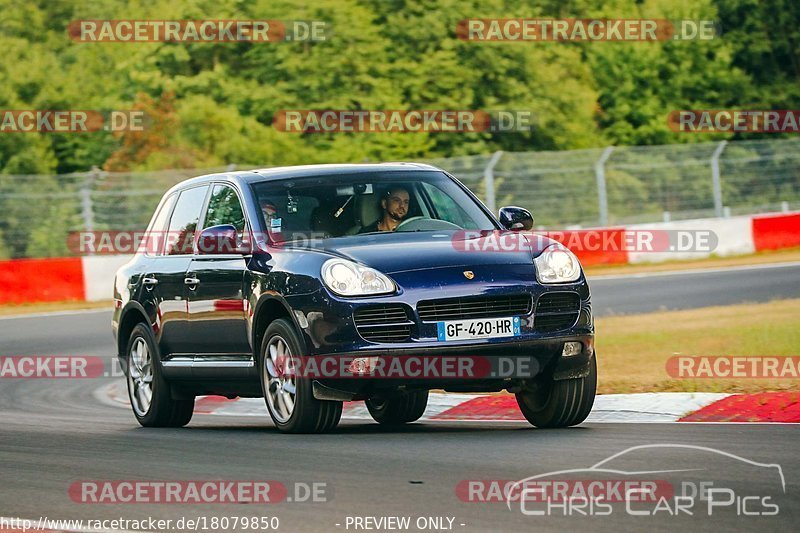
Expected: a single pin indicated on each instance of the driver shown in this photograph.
(395, 208)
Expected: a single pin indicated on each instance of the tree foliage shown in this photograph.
(389, 54)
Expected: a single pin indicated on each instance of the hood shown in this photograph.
(399, 252)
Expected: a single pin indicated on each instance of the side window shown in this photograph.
(155, 231)
(183, 224)
(224, 208)
(446, 208)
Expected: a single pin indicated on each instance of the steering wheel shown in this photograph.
(426, 224)
(406, 221)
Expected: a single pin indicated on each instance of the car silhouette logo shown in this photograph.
(469, 274)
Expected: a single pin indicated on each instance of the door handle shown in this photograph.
(149, 282)
(191, 281)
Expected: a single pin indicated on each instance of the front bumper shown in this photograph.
(327, 323)
(491, 368)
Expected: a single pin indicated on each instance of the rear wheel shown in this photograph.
(398, 408)
(289, 397)
(562, 403)
(149, 392)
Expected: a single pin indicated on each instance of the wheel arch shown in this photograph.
(269, 309)
(132, 314)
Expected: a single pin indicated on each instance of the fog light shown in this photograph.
(362, 365)
(571, 348)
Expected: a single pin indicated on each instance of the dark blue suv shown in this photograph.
(316, 285)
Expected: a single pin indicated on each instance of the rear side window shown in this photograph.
(156, 229)
(224, 208)
(183, 224)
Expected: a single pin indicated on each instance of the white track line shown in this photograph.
(693, 271)
(57, 313)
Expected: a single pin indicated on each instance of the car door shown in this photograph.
(165, 279)
(217, 313)
(145, 284)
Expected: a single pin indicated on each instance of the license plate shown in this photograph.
(481, 328)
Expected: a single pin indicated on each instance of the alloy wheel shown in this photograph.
(280, 378)
(140, 376)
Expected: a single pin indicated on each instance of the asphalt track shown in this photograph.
(689, 289)
(56, 432)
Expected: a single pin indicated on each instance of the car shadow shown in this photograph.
(368, 428)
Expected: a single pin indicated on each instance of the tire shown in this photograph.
(399, 408)
(290, 398)
(560, 403)
(148, 391)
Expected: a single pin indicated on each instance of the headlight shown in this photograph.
(350, 279)
(557, 265)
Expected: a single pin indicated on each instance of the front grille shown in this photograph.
(474, 307)
(556, 311)
(383, 323)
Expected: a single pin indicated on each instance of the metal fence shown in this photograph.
(577, 188)
(632, 184)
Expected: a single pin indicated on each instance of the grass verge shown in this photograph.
(633, 350)
(52, 307)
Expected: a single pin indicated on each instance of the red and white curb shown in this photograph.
(611, 408)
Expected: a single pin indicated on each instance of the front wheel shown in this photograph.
(289, 397)
(562, 403)
(398, 408)
(149, 392)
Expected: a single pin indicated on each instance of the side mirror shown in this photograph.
(219, 240)
(516, 218)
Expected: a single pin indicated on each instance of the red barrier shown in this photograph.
(603, 246)
(41, 280)
(775, 232)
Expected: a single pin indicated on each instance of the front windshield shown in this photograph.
(367, 203)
